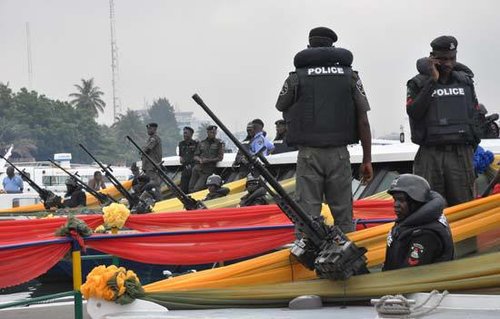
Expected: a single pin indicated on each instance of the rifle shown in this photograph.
(324, 248)
(107, 170)
(104, 199)
(48, 198)
(492, 184)
(188, 202)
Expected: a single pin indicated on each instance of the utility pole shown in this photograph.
(114, 62)
(28, 48)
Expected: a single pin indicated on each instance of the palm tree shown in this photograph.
(88, 97)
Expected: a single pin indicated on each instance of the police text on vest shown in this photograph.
(448, 92)
(325, 70)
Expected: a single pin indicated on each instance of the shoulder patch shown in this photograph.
(284, 89)
(416, 251)
(359, 86)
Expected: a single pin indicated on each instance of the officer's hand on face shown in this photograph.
(433, 67)
(366, 172)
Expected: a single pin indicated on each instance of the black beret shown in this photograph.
(211, 127)
(323, 32)
(280, 122)
(444, 43)
(189, 128)
(258, 121)
(152, 125)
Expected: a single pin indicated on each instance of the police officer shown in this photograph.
(74, 196)
(325, 109)
(259, 139)
(240, 163)
(421, 234)
(147, 192)
(153, 149)
(207, 154)
(186, 155)
(215, 189)
(441, 104)
(256, 193)
(280, 143)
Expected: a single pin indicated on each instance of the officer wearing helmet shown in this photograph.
(74, 196)
(256, 192)
(215, 189)
(421, 234)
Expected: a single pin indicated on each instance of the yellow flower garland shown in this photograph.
(115, 215)
(109, 283)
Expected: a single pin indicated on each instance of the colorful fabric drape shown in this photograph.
(23, 264)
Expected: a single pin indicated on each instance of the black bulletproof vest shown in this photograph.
(281, 146)
(324, 114)
(449, 119)
(398, 243)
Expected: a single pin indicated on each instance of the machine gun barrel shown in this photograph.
(107, 170)
(188, 202)
(324, 248)
(102, 198)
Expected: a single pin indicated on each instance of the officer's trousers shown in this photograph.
(449, 169)
(185, 178)
(325, 173)
(199, 178)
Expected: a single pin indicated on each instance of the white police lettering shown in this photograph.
(389, 238)
(325, 70)
(442, 219)
(448, 92)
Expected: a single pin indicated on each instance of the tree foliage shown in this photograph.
(38, 127)
(88, 97)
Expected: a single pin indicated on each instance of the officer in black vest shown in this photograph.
(280, 143)
(421, 234)
(324, 106)
(443, 111)
(186, 155)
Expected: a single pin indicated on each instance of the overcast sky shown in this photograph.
(236, 54)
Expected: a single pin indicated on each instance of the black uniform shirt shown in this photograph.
(186, 151)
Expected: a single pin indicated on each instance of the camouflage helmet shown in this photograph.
(214, 180)
(416, 187)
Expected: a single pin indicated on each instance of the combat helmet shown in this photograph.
(416, 187)
(251, 179)
(214, 179)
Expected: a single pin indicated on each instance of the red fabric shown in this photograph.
(191, 249)
(214, 218)
(19, 231)
(496, 189)
(23, 264)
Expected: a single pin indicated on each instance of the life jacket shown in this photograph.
(324, 113)
(429, 217)
(450, 116)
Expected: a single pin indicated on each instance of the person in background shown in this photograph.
(12, 183)
(256, 193)
(74, 196)
(208, 153)
(154, 150)
(97, 183)
(240, 161)
(421, 234)
(215, 188)
(260, 140)
(280, 144)
(186, 156)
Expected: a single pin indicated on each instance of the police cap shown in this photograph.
(259, 122)
(152, 125)
(211, 127)
(71, 182)
(323, 32)
(444, 43)
(280, 122)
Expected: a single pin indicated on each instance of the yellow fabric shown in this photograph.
(92, 202)
(465, 274)
(466, 220)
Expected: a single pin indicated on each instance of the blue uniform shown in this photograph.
(258, 141)
(13, 185)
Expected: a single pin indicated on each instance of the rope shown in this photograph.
(400, 307)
